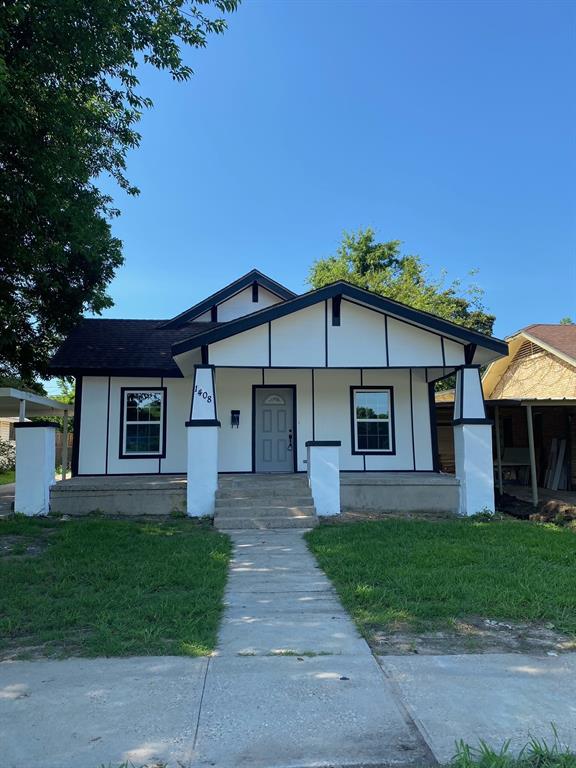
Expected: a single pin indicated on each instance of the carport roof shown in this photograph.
(36, 405)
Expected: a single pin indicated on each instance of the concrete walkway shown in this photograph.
(291, 686)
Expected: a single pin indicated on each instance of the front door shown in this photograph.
(274, 446)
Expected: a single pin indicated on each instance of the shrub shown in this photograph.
(7, 456)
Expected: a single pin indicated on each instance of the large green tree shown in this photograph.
(382, 268)
(69, 105)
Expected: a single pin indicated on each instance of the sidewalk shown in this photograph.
(292, 686)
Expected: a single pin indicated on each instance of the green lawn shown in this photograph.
(7, 477)
(422, 575)
(100, 587)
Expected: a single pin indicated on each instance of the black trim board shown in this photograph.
(77, 420)
(433, 427)
(34, 424)
(323, 443)
(202, 423)
(371, 300)
(457, 422)
(152, 373)
(254, 277)
(143, 456)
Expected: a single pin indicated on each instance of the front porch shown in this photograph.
(163, 495)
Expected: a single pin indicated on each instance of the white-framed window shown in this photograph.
(143, 424)
(372, 420)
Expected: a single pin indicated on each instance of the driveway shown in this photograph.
(292, 685)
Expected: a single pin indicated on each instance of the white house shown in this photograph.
(257, 379)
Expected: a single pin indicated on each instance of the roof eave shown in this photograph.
(254, 276)
(423, 319)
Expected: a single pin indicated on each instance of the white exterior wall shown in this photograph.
(359, 338)
(332, 415)
(299, 339)
(93, 426)
(365, 337)
(100, 426)
(234, 392)
(241, 304)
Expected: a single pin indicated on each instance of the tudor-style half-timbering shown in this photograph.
(257, 379)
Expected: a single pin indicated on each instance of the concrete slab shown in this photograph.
(494, 697)
(268, 635)
(284, 713)
(250, 604)
(83, 713)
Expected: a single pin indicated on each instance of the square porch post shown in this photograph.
(202, 438)
(35, 466)
(473, 444)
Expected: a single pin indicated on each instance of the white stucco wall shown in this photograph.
(365, 337)
(359, 338)
(330, 419)
(241, 304)
(100, 426)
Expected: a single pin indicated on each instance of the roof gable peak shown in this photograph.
(254, 276)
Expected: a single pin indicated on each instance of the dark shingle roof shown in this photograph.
(137, 346)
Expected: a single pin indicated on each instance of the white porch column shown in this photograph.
(472, 444)
(324, 475)
(202, 429)
(35, 466)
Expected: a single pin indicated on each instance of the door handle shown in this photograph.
(289, 439)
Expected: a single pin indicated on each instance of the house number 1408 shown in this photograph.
(203, 394)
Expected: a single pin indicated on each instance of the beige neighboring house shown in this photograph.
(531, 398)
(7, 428)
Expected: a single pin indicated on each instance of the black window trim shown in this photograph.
(154, 456)
(392, 421)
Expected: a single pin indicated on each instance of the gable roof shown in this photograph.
(254, 276)
(555, 337)
(342, 288)
(121, 346)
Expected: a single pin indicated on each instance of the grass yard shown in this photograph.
(423, 575)
(97, 587)
(7, 477)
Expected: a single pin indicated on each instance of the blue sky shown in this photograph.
(447, 125)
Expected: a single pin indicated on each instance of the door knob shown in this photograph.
(289, 439)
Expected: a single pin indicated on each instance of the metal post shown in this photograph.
(22, 411)
(533, 476)
(64, 444)
(498, 447)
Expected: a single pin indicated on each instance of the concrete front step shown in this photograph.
(265, 501)
(280, 486)
(264, 523)
(259, 502)
(265, 511)
(263, 492)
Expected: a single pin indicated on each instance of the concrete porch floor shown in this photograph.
(161, 495)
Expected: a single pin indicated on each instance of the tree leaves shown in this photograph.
(381, 268)
(69, 104)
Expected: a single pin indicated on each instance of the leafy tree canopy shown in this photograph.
(566, 321)
(381, 267)
(69, 105)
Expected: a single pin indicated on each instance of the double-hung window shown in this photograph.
(143, 421)
(372, 420)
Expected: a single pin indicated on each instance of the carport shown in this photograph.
(25, 405)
